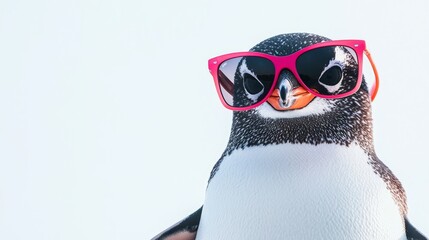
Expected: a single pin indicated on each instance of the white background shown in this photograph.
(109, 119)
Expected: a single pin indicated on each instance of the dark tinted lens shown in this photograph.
(244, 81)
(329, 70)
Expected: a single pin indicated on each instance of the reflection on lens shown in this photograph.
(244, 81)
(329, 70)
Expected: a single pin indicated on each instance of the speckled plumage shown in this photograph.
(349, 121)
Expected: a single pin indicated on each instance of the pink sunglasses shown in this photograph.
(331, 69)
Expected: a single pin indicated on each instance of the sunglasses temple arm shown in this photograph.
(374, 89)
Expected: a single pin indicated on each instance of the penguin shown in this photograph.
(298, 167)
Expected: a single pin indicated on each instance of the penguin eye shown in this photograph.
(332, 75)
(251, 84)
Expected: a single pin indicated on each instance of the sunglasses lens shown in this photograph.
(245, 81)
(331, 70)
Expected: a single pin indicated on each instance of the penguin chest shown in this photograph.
(299, 191)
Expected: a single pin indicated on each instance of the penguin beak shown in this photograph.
(289, 95)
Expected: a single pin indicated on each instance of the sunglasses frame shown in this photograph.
(289, 62)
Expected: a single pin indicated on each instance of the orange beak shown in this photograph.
(298, 98)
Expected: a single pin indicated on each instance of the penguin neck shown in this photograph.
(347, 123)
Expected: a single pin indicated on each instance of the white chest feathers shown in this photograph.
(299, 191)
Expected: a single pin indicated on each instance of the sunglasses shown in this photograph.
(331, 69)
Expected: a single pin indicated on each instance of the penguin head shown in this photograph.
(334, 69)
(292, 114)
